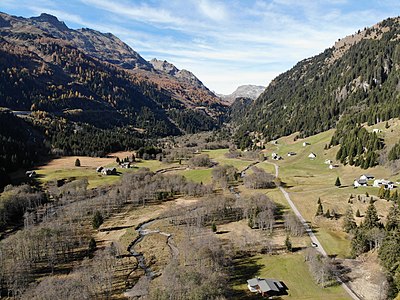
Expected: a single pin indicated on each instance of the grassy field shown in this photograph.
(307, 180)
(197, 175)
(64, 168)
(289, 268)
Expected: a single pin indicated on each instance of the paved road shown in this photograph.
(309, 231)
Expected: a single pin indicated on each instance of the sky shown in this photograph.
(225, 43)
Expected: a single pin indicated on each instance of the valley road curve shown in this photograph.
(311, 234)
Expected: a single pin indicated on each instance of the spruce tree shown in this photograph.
(77, 163)
(349, 223)
(320, 209)
(97, 219)
(371, 219)
(327, 214)
(288, 244)
(358, 214)
(337, 182)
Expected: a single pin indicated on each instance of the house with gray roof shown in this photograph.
(267, 287)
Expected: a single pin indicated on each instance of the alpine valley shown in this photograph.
(127, 178)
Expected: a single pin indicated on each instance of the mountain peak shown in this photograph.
(164, 66)
(250, 91)
(51, 20)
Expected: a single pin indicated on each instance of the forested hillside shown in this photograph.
(358, 77)
(87, 76)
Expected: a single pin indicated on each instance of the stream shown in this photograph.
(141, 288)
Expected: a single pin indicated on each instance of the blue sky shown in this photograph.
(224, 43)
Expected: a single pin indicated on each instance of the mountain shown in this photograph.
(355, 81)
(87, 76)
(244, 91)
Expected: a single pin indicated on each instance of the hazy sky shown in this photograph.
(224, 43)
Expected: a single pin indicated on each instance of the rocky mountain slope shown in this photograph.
(357, 80)
(84, 75)
(249, 91)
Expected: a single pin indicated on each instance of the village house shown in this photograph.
(376, 130)
(387, 184)
(99, 169)
(267, 287)
(276, 156)
(312, 155)
(109, 171)
(125, 165)
(367, 177)
(291, 153)
(333, 166)
(360, 182)
(328, 161)
(306, 144)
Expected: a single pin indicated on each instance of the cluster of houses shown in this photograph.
(106, 171)
(363, 181)
(267, 287)
(331, 164)
(276, 156)
(113, 171)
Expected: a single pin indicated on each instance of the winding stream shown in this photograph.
(141, 287)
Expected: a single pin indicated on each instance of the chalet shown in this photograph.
(126, 165)
(328, 161)
(360, 182)
(367, 177)
(306, 144)
(312, 155)
(333, 166)
(291, 153)
(385, 183)
(267, 287)
(109, 171)
(99, 169)
(276, 156)
(30, 174)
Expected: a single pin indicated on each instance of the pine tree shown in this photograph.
(213, 227)
(92, 245)
(337, 182)
(97, 219)
(320, 209)
(349, 223)
(327, 214)
(393, 218)
(381, 192)
(371, 219)
(77, 163)
(288, 244)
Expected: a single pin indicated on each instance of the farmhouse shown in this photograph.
(312, 155)
(367, 177)
(276, 156)
(267, 287)
(109, 171)
(291, 153)
(385, 183)
(360, 182)
(125, 165)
